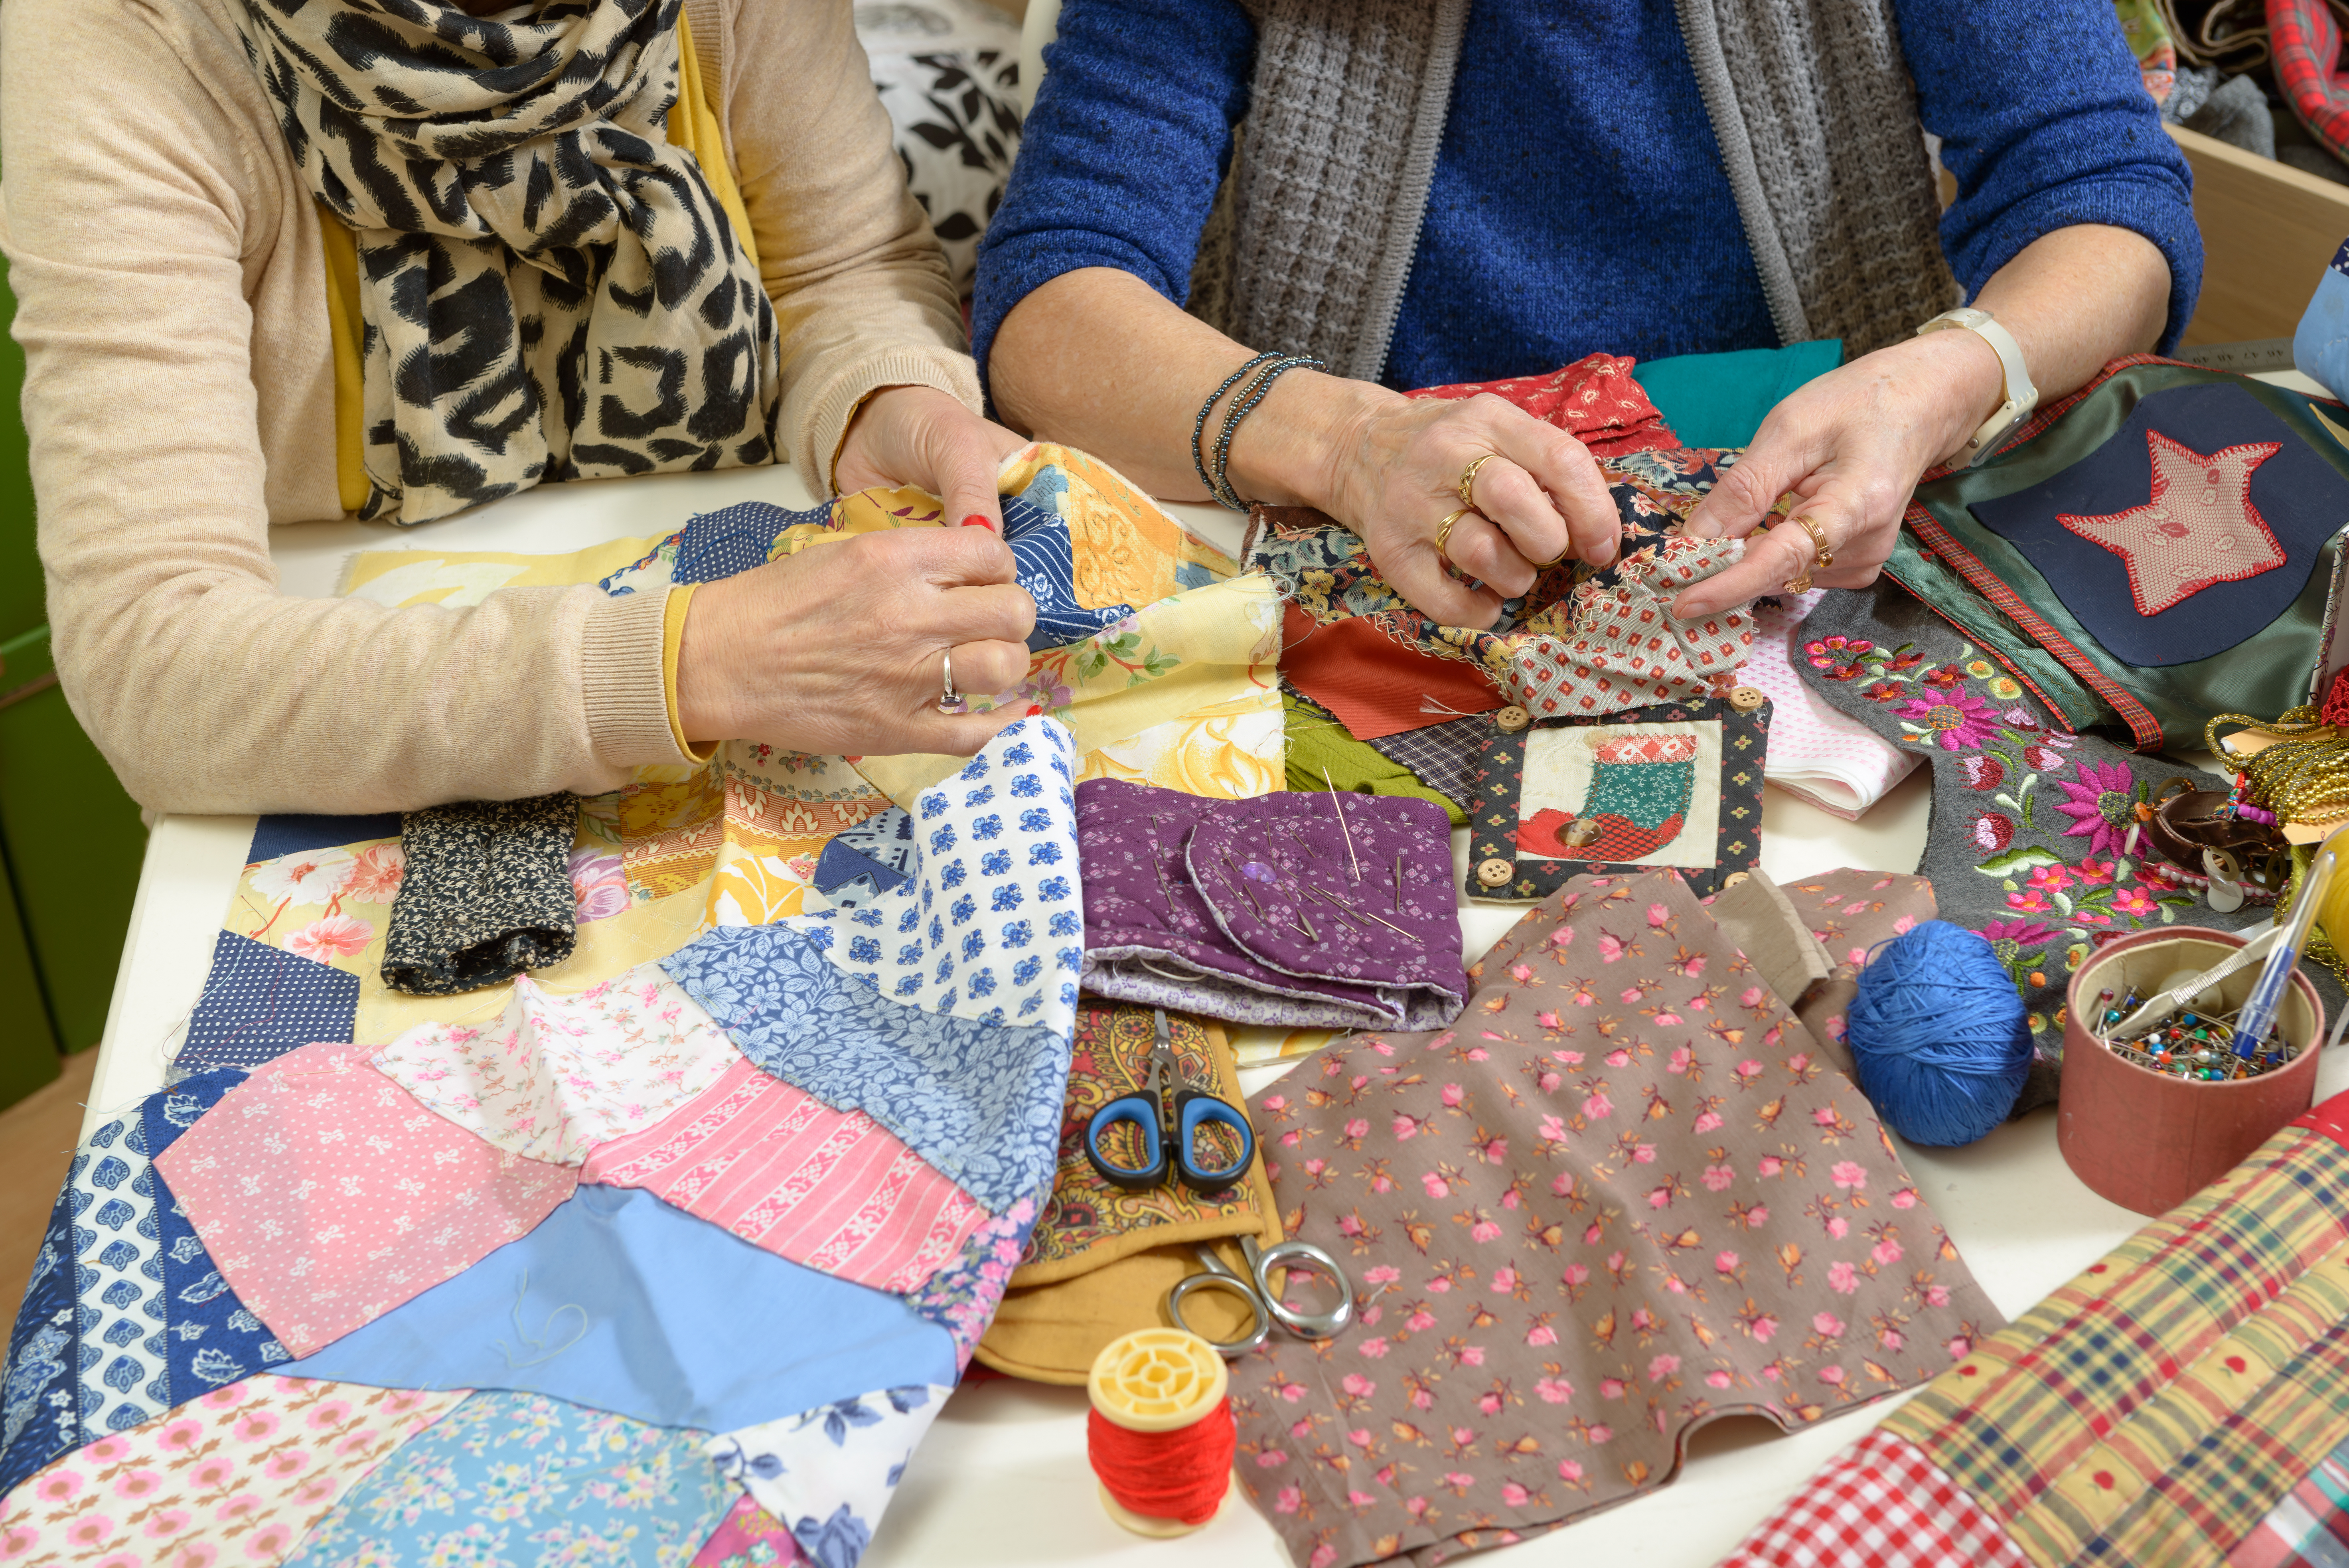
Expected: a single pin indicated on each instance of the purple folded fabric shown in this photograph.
(1271, 911)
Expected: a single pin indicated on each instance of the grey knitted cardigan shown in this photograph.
(1311, 238)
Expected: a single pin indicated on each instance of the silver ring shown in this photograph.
(949, 702)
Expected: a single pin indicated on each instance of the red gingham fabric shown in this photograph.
(1880, 1503)
(1595, 399)
(2307, 46)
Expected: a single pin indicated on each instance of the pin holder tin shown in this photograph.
(2147, 1140)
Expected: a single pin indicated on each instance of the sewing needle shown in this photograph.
(1337, 806)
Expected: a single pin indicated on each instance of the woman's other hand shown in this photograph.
(1850, 445)
(923, 437)
(1391, 472)
(842, 649)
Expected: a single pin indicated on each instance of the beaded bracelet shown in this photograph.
(1199, 425)
(1242, 406)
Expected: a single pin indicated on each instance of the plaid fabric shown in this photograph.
(2306, 43)
(2158, 1397)
(1880, 1503)
(2310, 1528)
(1443, 756)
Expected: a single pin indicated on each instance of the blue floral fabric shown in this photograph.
(828, 1473)
(980, 1101)
(261, 1001)
(125, 1316)
(618, 1301)
(990, 924)
(522, 1481)
(861, 863)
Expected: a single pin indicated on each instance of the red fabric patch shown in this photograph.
(1374, 684)
(2336, 701)
(2330, 1118)
(2306, 43)
(1594, 399)
(1880, 1503)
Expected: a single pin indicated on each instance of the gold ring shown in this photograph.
(1468, 482)
(1821, 556)
(1443, 530)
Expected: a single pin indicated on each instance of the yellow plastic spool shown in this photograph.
(1154, 1380)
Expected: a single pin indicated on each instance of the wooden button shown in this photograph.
(1734, 877)
(1745, 699)
(1513, 718)
(1495, 872)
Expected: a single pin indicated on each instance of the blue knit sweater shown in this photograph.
(1578, 201)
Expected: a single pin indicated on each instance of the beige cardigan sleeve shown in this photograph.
(152, 227)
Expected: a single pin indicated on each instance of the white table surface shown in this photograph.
(1002, 1477)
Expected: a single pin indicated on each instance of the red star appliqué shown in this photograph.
(2199, 528)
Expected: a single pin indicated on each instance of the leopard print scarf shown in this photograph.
(550, 290)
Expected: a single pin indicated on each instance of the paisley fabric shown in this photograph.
(621, 1303)
(240, 1475)
(980, 1101)
(327, 1194)
(555, 1075)
(444, 139)
(828, 1472)
(989, 922)
(520, 1478)
(1623, 1196)
(485, 894)
(1581, 642)
(783, 1170)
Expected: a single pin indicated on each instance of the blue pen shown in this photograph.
(2258, 1016)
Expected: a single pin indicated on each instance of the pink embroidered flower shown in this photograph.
(2031, 901)
(1982, 771)
(2094, 873)
(2048, 879)
(2016, 935)
(1958, 721)
(599, 884)
(2043, 758)
(335, 937)
(1992, 832)
(374, 876)
(2134, 901)
(2102, 805)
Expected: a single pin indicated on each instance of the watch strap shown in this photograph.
(2021, 396)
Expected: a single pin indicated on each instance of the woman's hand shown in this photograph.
(841, 650)
(1850, 445)
(923, 437)
(1392, 470)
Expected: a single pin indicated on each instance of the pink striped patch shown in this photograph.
(832, 1189)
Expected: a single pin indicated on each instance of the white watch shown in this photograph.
(2021, 396)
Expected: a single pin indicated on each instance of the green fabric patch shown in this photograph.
(1645, 795)
(1316, 740)
(1718, 399)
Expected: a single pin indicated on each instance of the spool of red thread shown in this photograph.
(1160, 1433)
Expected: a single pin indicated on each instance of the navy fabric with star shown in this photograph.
(2168, 579)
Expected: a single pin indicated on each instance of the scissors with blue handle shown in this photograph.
(1149, 1113)
(1255, 1287)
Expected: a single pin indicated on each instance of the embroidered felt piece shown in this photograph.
(486, 894)
(1581, 642)
(261, 1001)
(2036, 840)
(988, 922)
(554, 1076)
(1675, 785)
(240, 1475)
(980, 1101)
(1815, 752)
(1296, 908)
(327, 1194)
(124, 1316)
(1624, 1196)
(829, 1472)
(2162, 1406)
(780, 1168)
(520, 1478)
(621, 1303)
(2193, 525)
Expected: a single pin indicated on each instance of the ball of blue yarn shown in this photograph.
(1937, 1034)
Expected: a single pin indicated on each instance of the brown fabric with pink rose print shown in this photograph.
(1623, 1195)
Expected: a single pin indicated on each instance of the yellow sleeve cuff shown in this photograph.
(672, 640)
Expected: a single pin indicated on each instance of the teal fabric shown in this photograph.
(1718, 400)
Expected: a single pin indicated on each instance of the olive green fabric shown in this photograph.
(2275, 675)
(1316, 740)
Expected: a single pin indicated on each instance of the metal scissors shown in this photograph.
(1256, 1288)
(1150, 1114)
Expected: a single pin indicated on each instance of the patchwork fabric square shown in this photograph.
(599, 1488)
(260, 1002)
(862, 862)
(828, 1473)
(622, 1303)
(783, 1170)
(327, 1194)
(989, 923)
(486, 894)
(1677, 786)
(555, 1075)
